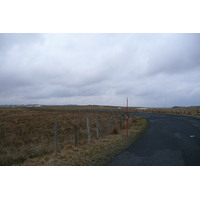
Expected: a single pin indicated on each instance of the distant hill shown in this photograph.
(179, 107)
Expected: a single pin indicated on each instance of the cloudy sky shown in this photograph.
(153, 70)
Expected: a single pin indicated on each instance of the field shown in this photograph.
(27, 135)
(187, 111)
(176, 110)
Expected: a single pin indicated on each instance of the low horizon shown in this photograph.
(36, 104)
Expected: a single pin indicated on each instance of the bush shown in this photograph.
(115, 131)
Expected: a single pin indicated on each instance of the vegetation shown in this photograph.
(177, 110)
(27, 136)
(96, 153)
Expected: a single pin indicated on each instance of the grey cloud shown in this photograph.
(152, 69)
(177, 54)
(59, 91)
(7, 41)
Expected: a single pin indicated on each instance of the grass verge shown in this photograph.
(96, 153)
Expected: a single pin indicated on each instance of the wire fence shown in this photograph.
(177, 111)
(36, 134)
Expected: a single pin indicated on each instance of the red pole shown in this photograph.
(127, 117)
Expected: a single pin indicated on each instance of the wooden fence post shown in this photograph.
(56, 136)
(75, 135)
(88, 130)
(101, 133)
(114, 122)
(97, 126)
(108, 126)
(120, 122)
(0, 129)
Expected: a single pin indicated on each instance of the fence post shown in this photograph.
(97, 126)
(75, 135)
(0, 129)
(108, 126)
(88, 130)
(113, 121)
(101, 133)
(56, 136)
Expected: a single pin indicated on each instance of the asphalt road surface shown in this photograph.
(169, 140)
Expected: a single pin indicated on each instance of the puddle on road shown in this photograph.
(192, 136)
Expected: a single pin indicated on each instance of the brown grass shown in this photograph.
(27, 135)
(185, 111)
(95, 154)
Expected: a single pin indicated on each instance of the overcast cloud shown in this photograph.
(151, 69)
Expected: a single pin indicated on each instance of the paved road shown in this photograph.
(168, 141)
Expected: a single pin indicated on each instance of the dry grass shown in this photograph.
(26, 135)
(185, 111)
(95, 154)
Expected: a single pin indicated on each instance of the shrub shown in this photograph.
(114, 131)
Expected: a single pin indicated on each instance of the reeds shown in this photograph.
(185, 111)
(29, 133)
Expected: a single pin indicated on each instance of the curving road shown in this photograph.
(169, 140)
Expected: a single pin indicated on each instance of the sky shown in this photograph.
(151, 69)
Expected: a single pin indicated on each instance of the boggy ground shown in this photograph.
(27, 136)
(96, 153)
(176, 110)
